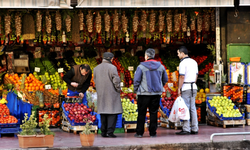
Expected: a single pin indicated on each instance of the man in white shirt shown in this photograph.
(188, 73)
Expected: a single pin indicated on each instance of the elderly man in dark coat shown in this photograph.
(108, 94)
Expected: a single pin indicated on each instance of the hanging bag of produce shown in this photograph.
(183, 111)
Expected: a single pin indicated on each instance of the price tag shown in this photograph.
(78, 48)
(122, 84)
(57, 49)
(48, 86)
(170, 85)
(3, 62)
(37, 69)
(131, 68)
(60, 70)
(38, 49)
(122, 50)
(163, 45)
(139, 48)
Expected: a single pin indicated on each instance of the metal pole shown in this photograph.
(230, 133)
(217, 36)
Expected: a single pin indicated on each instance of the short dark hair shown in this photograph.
(85, 66)
(183, 49)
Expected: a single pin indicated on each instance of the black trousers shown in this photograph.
(152, 102)
(108, 123)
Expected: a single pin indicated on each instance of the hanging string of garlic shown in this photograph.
(152, 22)
(177, 21)
(213, 20)
(38, 21)
(107, 21)
(169, 18)
(18, 24)
(124, 23)
(48, 23)
(184, 21)
(58, 21)
(144, 21)
(161, 21)
(192, 24)
(207, 21)
(81, 19)
(135, 22)
(116, 21)
(7, 22)
(89, 21)
(68, 23)
(98, 23)
(199, 22)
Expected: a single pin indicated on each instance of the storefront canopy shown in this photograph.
(154, 3)
(48, 4)
(244, 3)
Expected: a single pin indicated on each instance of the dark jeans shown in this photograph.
(108, 123)
(152, 102)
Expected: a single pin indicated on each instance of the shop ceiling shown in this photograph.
(153, 3)
(36, 4)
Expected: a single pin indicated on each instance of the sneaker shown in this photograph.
(182, 133)
(138, 136)
(194, 132)
(153, 136)
(111, 135)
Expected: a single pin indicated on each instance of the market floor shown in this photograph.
(64, 139)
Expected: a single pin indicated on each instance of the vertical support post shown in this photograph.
(217, 35)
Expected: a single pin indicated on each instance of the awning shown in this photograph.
(244, 3)
(154, 3)
(48, 4)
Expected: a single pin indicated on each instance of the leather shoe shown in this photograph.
(104, 135)
(153, 136)
(111, 135)
(194, 132)
(138, 136)
(182, 133)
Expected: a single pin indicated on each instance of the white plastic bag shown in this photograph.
(183, 111)
(173, 117)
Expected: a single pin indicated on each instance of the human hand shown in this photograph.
(81, 95)
(179, 92)
(74, 84)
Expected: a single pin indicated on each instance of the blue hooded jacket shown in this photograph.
(149, 78)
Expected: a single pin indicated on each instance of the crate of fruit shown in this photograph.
(10, 125)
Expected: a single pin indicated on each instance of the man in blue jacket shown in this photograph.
(149, 79)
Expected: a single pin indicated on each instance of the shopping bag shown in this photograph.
(183, 111)
(173, 114)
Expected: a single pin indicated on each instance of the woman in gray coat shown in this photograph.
(108, 89)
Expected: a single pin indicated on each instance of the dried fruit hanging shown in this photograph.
(98, 22)
(124, 22)
(177, 21)
(152, 22)
(207, 21)
(213, 21)
(199, 22)
(81, 19)
(58, 21)
(116, 21)
(48, 23)
(107, 21)
(68, 23)
(192, 25)
(38, 21)
(7, 22)
(135, 22)
(89, 21)
(144, 21)
(184, 21)
(169, 18)
(18, 24)
(161, 21)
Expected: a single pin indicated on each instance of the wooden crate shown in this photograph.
(224, 123)
(248, 121)
(132, 126)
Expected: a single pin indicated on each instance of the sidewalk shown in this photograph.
(165, 138)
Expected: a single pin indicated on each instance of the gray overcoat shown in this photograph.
(108, 88)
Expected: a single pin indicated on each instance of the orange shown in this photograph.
(37, 88)
(32, 88)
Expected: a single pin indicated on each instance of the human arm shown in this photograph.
(181, 81)
(164, 76)
(68, 76)
(137, 78)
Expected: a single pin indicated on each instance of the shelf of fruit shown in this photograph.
(130, 113)
(7, 120)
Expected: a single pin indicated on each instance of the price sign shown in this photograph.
(131, 68)
(122, 84)
(38, 49)
(139, 48)
(3, 62)
(122, 50)
(60, 70)
(48, 86)
(37, 69)
(78, 48)
(163, 45)
(170, 85)
(57, 49)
